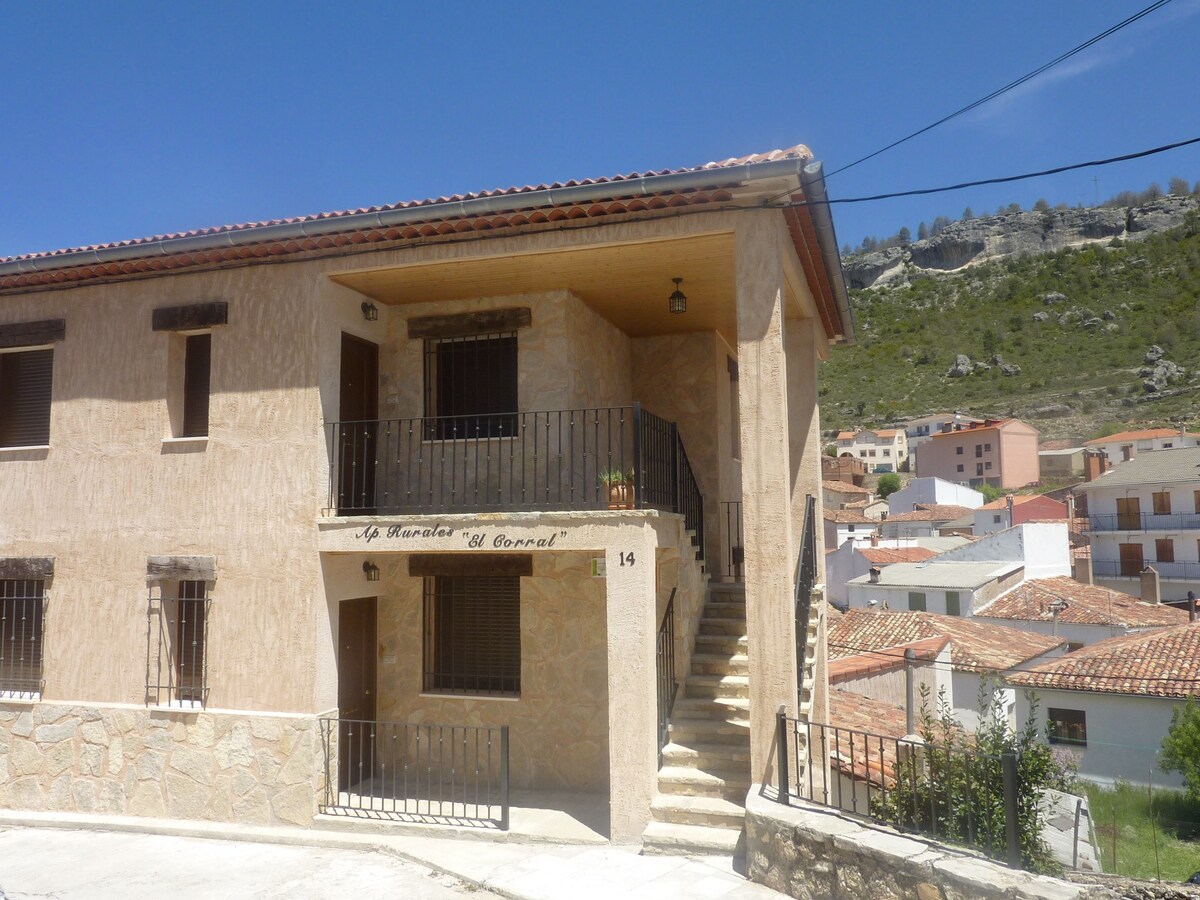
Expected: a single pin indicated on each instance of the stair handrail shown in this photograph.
(668, 684)
(806, 576)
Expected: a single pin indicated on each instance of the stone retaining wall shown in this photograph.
(1132, 889)
(250, 768)
(813, 853)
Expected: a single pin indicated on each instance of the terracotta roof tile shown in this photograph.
(845, 487)
(860, 665)
(847, 517)
(1087, 604)
(932, 512)
(850, 752)
(1144, 435)
(1161, 663)
(974, 645)
(1002, 503)
(882, 556)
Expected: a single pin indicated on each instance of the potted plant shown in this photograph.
(619, 484)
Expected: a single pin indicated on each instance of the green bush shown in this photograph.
(1181, 747)
(889, 483)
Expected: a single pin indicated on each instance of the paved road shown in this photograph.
(39, 864)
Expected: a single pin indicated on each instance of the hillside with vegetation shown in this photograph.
(1078, 340)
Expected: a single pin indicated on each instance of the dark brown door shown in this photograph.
(1129, 514)
(1132, 561)
(356, 437)
(356, 690)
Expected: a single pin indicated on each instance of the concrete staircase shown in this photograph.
(705, 774)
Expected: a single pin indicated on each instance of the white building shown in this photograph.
(1146, 513)
(885, 450)
(926, 520)
(1126, 445)
(1111, 703)
(843, 525)
(930, 490)
(855, 558)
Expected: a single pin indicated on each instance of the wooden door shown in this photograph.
(355, 441)
(1129, 513)
(356, 689)
(1132, 561)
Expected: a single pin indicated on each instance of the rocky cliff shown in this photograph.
(989, 238)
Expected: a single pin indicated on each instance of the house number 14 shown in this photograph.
(627, 558)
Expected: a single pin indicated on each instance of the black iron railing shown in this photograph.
(615, 457)
(454, 774)
(22, 618)
(734, 543)
(948, 793)
(806, 577)
(1145, 521)
(1167, 571)
(668, 687)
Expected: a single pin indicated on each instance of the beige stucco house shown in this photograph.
(404, 509)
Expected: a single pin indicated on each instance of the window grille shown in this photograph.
(22, 618)
(177, 644)
(473, 634)
(471, 386)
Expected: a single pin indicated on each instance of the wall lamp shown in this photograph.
(370, 311)
(677, 302)
(371, 571)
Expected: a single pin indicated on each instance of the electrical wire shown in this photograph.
(1010, 86)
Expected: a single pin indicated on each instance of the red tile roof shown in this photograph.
(850, 752)
(974, 645)
(847, 517)
(860, 665)
(1162, 663)
(1144, 435)
(1087, 604)
(1018, 499)
(845, 487)
(882, 556)
(932, 512)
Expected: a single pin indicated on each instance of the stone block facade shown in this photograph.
(127, 760)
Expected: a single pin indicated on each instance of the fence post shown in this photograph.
(781, 751)
(638, 491)
(1012, 827)
(504, 778)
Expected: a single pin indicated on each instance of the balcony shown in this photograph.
(1146, 522)
(1167, 571)
(612, 458)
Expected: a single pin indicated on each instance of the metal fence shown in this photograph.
(1167, 571)
(732, 540)
(455, 774)
(1145, 521)
(668, 686)
(948, 793)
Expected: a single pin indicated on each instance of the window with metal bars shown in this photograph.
(177, 644)
(25, 381)
(473, 635)
(471, 386)
(22, 618)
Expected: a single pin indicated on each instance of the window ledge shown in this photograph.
(25, 450)
(186, 706)
(184, 444)
(439, 695)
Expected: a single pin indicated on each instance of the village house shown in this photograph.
(1081, 613)
(1060, 463)
(838, 494)
(294, 509)
(935, 491)
(925, 520)
(1110, 703)
(885, 450)
(1145, 515)
(920, 430)
(999, 452)
(843, 468)
(855, 558)
(1126, 445)
(1016, 510)
(843, 525)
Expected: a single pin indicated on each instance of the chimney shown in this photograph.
(1009, 503)
(1150, 593)
(873, 575)
(1095, 464)
(1082, 569)
(1070, 506)
(874, 539)
(1191, 606)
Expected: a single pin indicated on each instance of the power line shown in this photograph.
(1010, 86)
(1008, 178)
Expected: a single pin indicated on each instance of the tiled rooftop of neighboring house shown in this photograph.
(845, 436)
(1054, 445)
(1153, 467)
(847, 517)
(885, 556)
(845, 487)
(973, 427)
(934, 574)
(1146, 434)
(1018, 500)
(864, 759)
(974, 645)
(932, 512)
(859, 665)
(887, 433)
(1162, 663)
(1086, 604)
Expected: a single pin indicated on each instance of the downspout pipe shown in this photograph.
(734, 176)
(812, 180)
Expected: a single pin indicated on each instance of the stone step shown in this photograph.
(709, 757)
(716, 664)
(666, 838)
(734, 627)
(728, 784)
(707, 731)
(736, 709)
(714, 812)
(715, 610)
(731, 588)
(721, 643)
(717, 686)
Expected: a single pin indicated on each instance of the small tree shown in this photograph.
(1181, 747)
(889, 483)
(1041, 205)
(967, 214)
(922, 231)
(831, 449)
(904, 236)
(1179, 187)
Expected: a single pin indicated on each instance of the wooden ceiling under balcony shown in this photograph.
(628, 284)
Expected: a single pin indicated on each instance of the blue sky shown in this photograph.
(129, 119)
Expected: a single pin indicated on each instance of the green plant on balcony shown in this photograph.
(618, 482)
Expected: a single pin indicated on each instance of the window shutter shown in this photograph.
(196, 368)
(25, 381)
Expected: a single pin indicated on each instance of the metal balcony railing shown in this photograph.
(1145, 521)
(1167, 571)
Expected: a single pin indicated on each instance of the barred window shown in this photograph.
(177, 651)
(473, 634)
(471, 386)
(22, 617)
